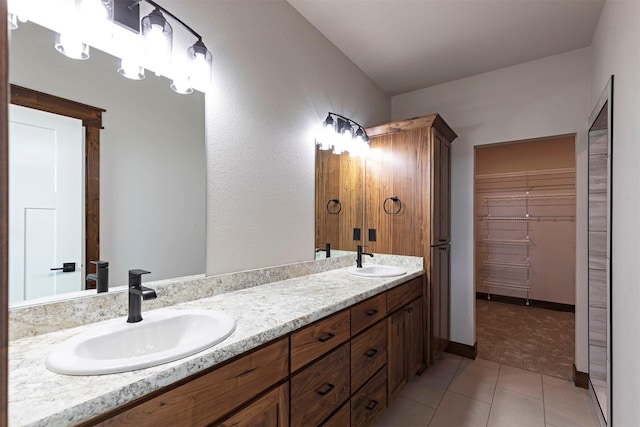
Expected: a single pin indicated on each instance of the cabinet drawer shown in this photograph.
(403, 294)
(272, 409)
(341, 418)
(368, 354)
(315, 340)
(367, 313)
(370, 401)
(321, 388)
(211, 396)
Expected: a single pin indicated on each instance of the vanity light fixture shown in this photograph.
(338, 133)
(158, 37)
(89, 16)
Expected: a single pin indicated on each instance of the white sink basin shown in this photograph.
(377, 271)
(162, 336)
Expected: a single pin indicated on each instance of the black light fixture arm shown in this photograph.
(346, 119)
(134, 3)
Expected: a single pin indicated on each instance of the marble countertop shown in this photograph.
(38, 397)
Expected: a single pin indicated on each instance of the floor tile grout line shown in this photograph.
(494, 394)
(544, 403)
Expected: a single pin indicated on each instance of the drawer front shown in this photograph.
(213, 395)
(317, 339)
(368, 354)
(367, 313)
(271, 410)
(403, 294)
(321, 388)
(370, 401)
(341, 418)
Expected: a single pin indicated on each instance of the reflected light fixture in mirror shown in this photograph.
(16, 13)
(114, 26)
(337, 132)
(130, 69)
(71, 46)
(90, 19)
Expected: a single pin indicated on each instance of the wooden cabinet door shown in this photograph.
(445, 294)
(396, 354)
(440, 296)
(440, 188)
(413, 331)
(435, 314)
(272, 409)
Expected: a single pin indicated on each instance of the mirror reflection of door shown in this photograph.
(45, 203)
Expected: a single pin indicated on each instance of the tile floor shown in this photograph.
(461, 392)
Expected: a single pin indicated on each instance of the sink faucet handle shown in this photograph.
(100, 264)
(135, 277)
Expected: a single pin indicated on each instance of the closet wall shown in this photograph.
(525, 219)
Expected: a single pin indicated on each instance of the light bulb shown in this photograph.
(96, 19)
(71, 46)
(158, 39)
(13, 21)
(200, 64)
(181, 85)
(130, 69)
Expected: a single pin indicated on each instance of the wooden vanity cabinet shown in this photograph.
(405, 335)
(209, 397)
(415, 169)
(339, 371)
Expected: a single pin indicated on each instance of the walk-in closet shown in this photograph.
(525, 253)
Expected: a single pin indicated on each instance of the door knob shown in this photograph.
(67, 267)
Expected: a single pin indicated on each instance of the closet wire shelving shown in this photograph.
(536, 195)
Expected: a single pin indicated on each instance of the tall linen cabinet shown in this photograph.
(408, 209)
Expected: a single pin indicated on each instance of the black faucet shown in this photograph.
(101, 276)
(327, 249)
(359, 256)
(137, 293)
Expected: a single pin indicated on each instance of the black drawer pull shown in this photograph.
(326, 390)
(371, 352)
(372, 404)
(372, 312)
(326, 337)
(247, 372)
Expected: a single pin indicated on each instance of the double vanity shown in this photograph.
(322, 345)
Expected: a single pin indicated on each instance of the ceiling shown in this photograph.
(404, 45)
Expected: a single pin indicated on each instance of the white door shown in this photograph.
(46, 209)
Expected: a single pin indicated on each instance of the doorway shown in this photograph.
(45, 204)
(91, 118)
(524, 202)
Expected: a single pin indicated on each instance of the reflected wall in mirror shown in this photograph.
(152, 157)
(600, 220)
(339, 201)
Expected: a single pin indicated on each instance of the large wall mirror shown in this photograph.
(152, 160)
(339, 202)
(600, 220)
